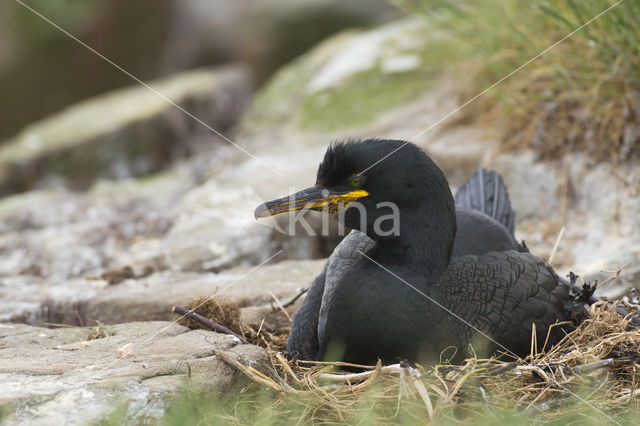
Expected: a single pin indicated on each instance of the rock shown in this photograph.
(270, 319)
(352, 83)
(151, 298)
(213, 375)
(216, 229)
(133, 131)
(178, 35)
(81, 302)
(54, 376)
(598, 205)
(160, 222)
(70, 234)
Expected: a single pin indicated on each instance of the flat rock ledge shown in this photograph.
(63, 376)
(82, 301)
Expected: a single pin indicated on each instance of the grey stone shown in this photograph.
(71, 234)
(82, 302)
(133, 132)
(152, 297)
(54, 376)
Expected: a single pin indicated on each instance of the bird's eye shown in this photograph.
(356, 181)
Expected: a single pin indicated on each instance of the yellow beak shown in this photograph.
(312, 198)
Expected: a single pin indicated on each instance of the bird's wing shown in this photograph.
(342, 258)
(485, 191)
(303, 337)
(502, 294)
(304, 324)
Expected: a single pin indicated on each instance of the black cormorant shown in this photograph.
(412, 293)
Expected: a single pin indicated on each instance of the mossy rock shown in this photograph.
(128, 132)
(353, 78)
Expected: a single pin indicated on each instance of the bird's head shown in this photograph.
(370, 183)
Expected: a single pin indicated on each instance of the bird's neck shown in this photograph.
(425, 240)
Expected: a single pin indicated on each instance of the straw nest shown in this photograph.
(594, 371)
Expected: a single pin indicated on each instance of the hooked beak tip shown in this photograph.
(261, 211)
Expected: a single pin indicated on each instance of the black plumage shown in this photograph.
(414, 294)
(486, 192)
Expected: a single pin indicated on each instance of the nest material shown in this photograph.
(223, 311)
(227, 313)
(593, 371)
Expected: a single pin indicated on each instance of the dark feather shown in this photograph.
(485, 191)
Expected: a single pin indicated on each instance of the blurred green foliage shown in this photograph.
(587, 77)
(510, 32)
(69, 14)
(259, 406)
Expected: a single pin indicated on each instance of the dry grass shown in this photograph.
(582, 95)
(592, 375)
(602, 127)
(594, 368)
(227, 313)
(223, 311)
